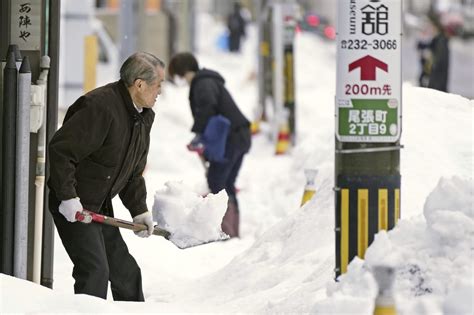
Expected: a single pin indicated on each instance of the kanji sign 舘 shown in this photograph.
(368, 93)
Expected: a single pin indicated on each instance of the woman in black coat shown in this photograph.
(208, 98)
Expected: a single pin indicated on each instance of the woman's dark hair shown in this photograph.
(182, 63)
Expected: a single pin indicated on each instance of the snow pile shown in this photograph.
(450, 226)
(284, 269)
(25, 297)
(284, 261)
(190, 218)
(438, 138)
(432, 259)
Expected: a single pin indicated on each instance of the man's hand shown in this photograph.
(69, 208)
(146, 219)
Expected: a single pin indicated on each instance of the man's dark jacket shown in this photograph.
(100, 151)
(208, 97)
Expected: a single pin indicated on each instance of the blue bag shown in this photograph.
(222, 41)
(214, 138)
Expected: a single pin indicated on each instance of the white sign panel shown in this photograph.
(26, 24)
(368, 93)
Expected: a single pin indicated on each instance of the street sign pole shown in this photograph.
(368, 124)
(288, 67)
(283, 15)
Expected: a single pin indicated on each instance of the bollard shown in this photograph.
(283, 139)
(283, 136)
(10, 76)
(384, 302)
(20, 247)
(310, 188)
(255, 126)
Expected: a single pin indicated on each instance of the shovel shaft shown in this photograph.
(87, 216)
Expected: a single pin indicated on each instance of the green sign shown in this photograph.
(368, 120)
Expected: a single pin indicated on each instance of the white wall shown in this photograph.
(76, 23)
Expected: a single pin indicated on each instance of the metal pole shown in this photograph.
(368, 128)
(288, 65)
(192, 25)
(47, 258)
(263, 51)
(40, 177)
(277, 41)
(127, 28)
(10, 76)
(5, 13)
(260, 53)
(22, 171)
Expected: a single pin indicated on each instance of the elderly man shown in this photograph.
(100, 151)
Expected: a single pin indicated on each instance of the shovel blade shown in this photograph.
(183, 242)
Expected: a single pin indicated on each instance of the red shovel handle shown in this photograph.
(86, 216)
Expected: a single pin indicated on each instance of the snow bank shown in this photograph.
(286, 258)
(437, 132)
(433, 259)
(20, 296)
(285, 268)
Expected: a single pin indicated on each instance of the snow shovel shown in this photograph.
(87, 216)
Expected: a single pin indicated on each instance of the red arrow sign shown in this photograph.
(368, 65)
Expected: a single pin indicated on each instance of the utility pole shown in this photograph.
(128, 27)
(368, 124)
(283, 32)
(264, 66)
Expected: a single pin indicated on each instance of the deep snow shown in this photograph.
(284, 261)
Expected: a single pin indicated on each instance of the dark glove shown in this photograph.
(196, 145)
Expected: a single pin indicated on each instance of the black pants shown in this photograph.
(222, 175)
(234, 42)
(99, 254)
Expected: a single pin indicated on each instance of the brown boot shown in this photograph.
(230, 221)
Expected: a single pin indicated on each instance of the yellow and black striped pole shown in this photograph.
(289, 78)
(365, 205)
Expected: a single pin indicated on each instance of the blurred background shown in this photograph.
(68, 47)
(164, 27)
